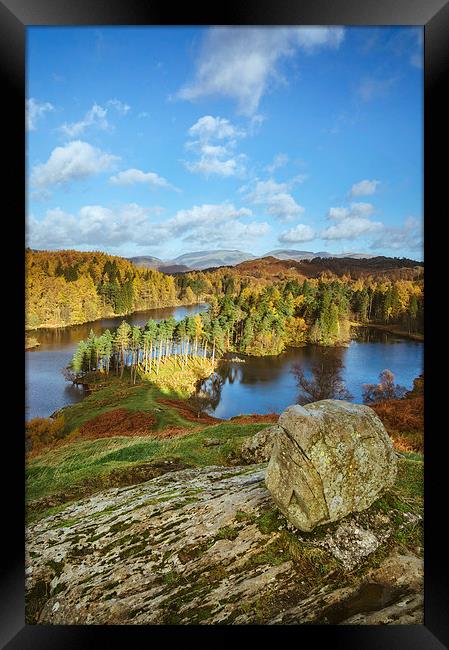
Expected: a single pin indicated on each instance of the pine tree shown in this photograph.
(150, 334)
(121, 342)
(136, 339)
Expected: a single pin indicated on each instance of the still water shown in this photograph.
(46, 388)
(267, 384)
(259, 385)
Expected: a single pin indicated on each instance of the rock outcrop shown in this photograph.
(258, 448)
(208, 546)
(330, 458)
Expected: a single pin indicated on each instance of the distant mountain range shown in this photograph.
(200, 260)
(290, 254)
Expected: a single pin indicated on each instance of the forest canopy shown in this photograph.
(254, 311)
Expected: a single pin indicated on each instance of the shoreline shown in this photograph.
(391, 329)
(124, 316)
(31, 342)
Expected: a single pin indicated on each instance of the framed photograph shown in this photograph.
(222, 291)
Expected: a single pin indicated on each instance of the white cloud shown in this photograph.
(408, 43)
(95, 225)
(40, 195)
(206, 214)
(95, 116)
(34, 110)
(338, 213)
(224, 237)
(371, 88)
(278, 202)
(351, 228)
(215, 147)
(119, 106)
(299, 233)
(364, 188)
(407, 238)
(75, 160)
(134, 176)
(216, 224)
(214, 128)
(360, 210)
(280, 160)
(242, 62)
(351, 222)
(213, 164)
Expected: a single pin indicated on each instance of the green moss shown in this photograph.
(121, 541)
(133, 550)
(119, 526)
(171, 578)
(227, 532)
(113, 594)
(270, 521)
(80, 551)
(199, 614)
(61, 586)
(57, 567)
(106, 511)
(35, 599)
(193, 551)
(66, 523)
(240, 515)
(407, 493)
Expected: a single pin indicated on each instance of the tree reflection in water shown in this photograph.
(326, 380)
(208, 394)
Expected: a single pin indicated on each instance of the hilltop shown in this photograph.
(142, 512)
(392, 267)
(292, 254)
(194, 261)
(201, 260)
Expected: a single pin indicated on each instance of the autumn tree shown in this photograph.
(325, 381)
(385, 390)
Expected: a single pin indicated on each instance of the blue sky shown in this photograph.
(165, 140)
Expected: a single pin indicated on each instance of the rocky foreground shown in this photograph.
(207, 545)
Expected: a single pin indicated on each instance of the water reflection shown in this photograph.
(268, 385)
(325, 380)
(259, 385)
(209, 392)
(46, 388)
(68, 337)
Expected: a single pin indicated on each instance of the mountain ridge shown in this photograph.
(201, 260)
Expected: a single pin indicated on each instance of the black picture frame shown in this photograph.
(15, 17)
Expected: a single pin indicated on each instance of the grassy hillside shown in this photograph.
(122, 434)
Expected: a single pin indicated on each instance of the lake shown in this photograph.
(46, 388)
(259, 385)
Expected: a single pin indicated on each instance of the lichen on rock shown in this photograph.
(330, 458)
(205, 546)
(258, 448)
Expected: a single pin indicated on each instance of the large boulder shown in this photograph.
(330, 458)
